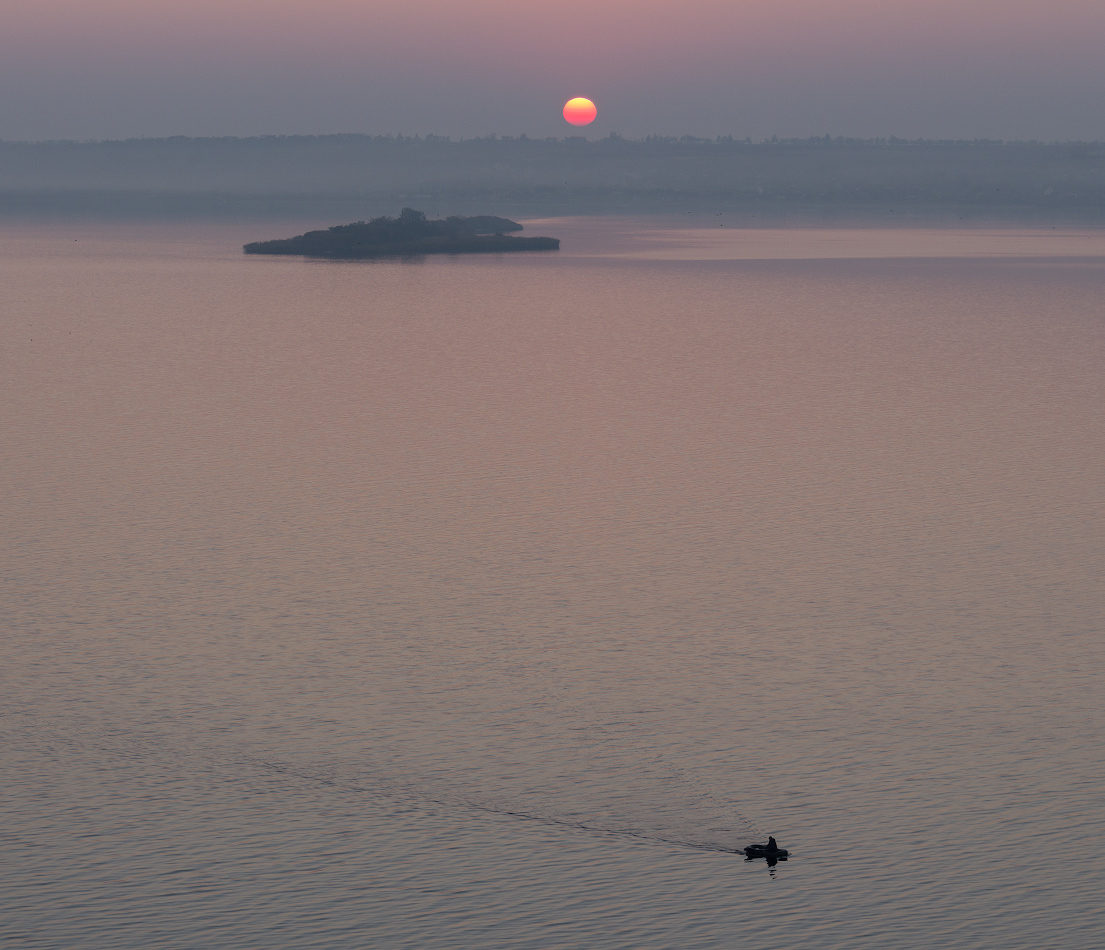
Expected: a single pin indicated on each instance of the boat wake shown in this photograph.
(654, 802)
(595, 783)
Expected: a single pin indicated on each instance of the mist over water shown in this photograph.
(491, 602)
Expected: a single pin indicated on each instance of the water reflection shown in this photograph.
(770, 862)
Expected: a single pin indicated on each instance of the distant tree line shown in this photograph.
(519, 175)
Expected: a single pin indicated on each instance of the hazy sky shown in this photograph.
(931, 68)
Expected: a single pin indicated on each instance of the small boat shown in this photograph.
(771, 851)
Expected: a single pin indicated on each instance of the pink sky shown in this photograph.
(989, 68)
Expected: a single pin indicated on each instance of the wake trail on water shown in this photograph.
(588, 786)
(649, 801)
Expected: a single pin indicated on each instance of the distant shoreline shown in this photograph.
(347, 176)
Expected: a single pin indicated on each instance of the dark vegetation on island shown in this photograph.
(364, 176)
(411, 234)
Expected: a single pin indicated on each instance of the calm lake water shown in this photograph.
(485, 602)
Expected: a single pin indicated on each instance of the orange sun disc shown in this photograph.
(580, 111)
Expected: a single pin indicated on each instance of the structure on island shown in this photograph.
(412, 234)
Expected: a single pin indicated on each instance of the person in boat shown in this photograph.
(771, 851)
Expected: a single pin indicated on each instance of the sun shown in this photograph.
(580, 111)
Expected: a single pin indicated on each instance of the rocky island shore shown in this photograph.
(410, 235)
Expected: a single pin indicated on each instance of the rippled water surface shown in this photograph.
(492, 602)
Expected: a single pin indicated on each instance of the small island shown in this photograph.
(412, 234)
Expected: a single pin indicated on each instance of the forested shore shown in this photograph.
(367, 175)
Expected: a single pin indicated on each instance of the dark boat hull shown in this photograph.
(756, 851)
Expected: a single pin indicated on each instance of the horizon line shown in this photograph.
(652, 139)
